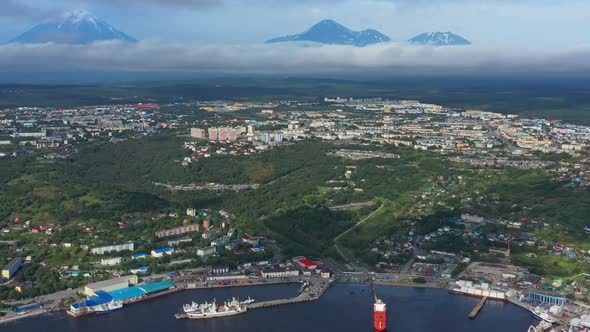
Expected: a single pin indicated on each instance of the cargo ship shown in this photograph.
(379, 313)
(212, 310)
(379, 316)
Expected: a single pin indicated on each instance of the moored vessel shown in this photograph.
(212, 310)
(379, 316)
(109, 307)
(542, 316)
(379, 313)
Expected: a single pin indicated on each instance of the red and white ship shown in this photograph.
(379, 316)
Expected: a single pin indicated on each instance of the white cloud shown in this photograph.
(383, 59)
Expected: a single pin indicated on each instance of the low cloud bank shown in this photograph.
(384, 58)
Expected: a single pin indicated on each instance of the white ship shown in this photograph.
(192, 307)
(212, 310)
(109, 307)
(248, 301)
(543, 316)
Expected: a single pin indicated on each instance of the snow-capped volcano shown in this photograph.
(75, 27)
(331, 32)
(439, 39)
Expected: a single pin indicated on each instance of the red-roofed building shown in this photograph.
(307, 264)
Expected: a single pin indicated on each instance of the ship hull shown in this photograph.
(214, 315)
(106, 311)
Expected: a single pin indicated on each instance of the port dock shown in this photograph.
(478, 307)
(315, 289)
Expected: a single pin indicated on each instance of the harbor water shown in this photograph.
(344, 307)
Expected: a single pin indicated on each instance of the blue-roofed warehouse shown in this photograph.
(131, 293)
(27, 308)
(126, 295)
(100, 298)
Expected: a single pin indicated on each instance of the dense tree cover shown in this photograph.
(58, 192)
(532, 195)
(308, 230)
(110, 183)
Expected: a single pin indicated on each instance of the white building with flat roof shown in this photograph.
(113, 248)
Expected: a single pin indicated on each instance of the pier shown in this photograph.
(316, 288)
(478, 307)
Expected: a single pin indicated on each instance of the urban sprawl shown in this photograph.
(474, 138)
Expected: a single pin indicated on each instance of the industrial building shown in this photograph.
(307, 264)
(279, 272)
(110, 285)
(124, 294)
(547, 297)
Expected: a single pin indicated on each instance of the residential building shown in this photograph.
(157, 253)
(198, 133)
(191, 212)
(207, 251)
(220, 242)
(178, 231)
(111, 261)
(12, 267)
(114, 248)
(173, 243)
(139, 255)
(213, 134)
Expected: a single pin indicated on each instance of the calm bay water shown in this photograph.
(344, 307)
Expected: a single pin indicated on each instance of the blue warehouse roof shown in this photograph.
(140, 290)
(161, 250)
(156, 286)
(126, 293)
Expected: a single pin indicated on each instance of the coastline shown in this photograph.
(181, 287)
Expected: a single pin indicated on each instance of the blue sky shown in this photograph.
(211, 36)
(501, 23)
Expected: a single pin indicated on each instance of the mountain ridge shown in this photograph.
(74, 27)
(439, 39)
(330, 32)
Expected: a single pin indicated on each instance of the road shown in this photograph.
(352, 206)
